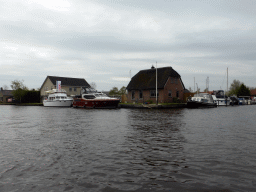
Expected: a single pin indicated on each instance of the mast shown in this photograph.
(156, 85)
(194, 84)
(227, 79)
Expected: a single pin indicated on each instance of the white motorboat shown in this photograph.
(201, 100)
(57, 98)
(244, 100)
(220, 98)
(254, 100)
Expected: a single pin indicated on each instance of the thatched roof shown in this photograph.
(146, 79)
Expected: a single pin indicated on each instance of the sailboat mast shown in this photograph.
(227, 79)
(156, 84)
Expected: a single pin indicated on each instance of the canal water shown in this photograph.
(140, 150)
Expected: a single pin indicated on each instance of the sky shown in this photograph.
(109, 41)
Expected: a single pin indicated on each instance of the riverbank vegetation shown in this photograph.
(239, 89)
(22, 94)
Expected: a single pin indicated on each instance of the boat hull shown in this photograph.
(222, 102)
(96, 103)
(59, 103)
(196, 104)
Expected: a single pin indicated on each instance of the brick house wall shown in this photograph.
(172, 85)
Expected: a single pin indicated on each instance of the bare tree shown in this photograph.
(5, 87)
(93, 85)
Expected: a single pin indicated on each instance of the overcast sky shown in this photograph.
(108, 41)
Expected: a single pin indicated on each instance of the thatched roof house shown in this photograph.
(142, 86)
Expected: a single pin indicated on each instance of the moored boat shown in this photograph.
(57, 98)
(234, 100)
(220, 98)
(244, 100)
(201, 100)
(91, 98)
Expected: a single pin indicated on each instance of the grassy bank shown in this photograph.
(23, 104)
(29, 104)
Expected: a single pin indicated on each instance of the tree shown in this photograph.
(122, 91)
(114, 91)
(234, 87)
(243, 91)
(93, 85)
(5, 87)
(19, 89)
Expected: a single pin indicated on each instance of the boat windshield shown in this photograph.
(100, 95)
(89, 97)
(219, 94)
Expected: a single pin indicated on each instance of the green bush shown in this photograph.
(176, 100)
(149, 101)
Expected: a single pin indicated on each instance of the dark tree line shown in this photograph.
(21, 93)
(239, 89)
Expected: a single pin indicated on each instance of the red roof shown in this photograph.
(253, 92)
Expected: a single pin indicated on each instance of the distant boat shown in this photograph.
(57, 98)
(244, 100)
(220, 98)
(91, 98)
(234, 100)
(254, 100)
(201, 100)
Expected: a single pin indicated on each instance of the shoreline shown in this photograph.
(23, 104)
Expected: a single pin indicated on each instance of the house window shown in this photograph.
(172, 80)
(74, 89)
(177, 94)
(169, 93)
(70, 89)
(133, 94)
(141, 94)
(176, 80)
(153, 93)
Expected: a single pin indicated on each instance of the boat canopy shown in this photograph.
(88, 90)
(55, 91)
(204, 97)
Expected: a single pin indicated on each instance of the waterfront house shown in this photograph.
(6, 96)
(142, 87)
(71, 85)
(253, 93)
